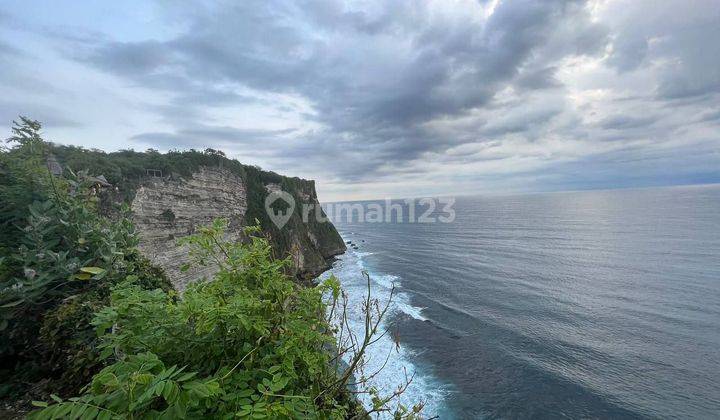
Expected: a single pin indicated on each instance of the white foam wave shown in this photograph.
(424, 387)
(387, 281)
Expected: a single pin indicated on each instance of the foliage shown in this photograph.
(23, 179)
(251, 343)
(77, 300)
(126, 169)
(59, 259)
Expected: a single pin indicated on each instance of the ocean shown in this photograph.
(596, 304)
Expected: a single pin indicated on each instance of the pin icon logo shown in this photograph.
(279, 217)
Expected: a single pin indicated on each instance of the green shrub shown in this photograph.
(250, 343)
(58, 262)
(78, 301)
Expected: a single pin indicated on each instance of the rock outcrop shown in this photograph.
(166, 209)
(174, 193)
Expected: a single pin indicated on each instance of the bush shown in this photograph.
(250, 343)
(58, 261)
(78, 301)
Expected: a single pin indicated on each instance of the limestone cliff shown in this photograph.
(165, 209)
(172, 194)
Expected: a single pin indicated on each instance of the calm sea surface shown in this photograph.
(602, 304)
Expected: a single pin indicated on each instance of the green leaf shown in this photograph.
(89, 414)
(39, 404)
(186, 376)
(158, 388)
(92, 270)
(277, 386)
(104, 415)
(12, 304)
(245, 393)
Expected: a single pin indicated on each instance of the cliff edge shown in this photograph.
(173, 194)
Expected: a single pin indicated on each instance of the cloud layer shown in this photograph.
(380, 98)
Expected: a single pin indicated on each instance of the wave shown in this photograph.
(424, 387)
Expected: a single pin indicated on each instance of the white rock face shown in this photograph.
(166, 210)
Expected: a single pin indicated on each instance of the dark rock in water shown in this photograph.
(348, 242)
(363, 240)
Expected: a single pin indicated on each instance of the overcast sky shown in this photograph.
(383, 98)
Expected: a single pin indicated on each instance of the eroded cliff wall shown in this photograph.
(166, 209)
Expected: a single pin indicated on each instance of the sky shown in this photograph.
(380, 98)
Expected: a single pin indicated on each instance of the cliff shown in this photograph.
(173, 194)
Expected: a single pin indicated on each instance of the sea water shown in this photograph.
(599, 304)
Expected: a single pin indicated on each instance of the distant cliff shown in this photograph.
(173, 194)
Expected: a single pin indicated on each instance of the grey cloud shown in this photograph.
(697, 72)
(630, 51)
(711, 116)
(392, 84)
(521, 121)
(539, 79)
(204, 136)
(132, 59)
(620, 122)
(7, 51)
(672, 42)
(360, 74)
(47, 115)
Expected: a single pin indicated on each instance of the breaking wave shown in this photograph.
(424, 387)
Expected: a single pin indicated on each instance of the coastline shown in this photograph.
(389, 353)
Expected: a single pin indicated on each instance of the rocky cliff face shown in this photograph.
(166, 209)
(172, 194)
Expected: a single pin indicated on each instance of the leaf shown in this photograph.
(78, 410)
(277, 386)
(89, 414)
(12, 304)
(186, 376)
(92, 270)
(170, 391)
(104, 415)
(106, 352)
(245, 393)
(159, 387)
(39, 404)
